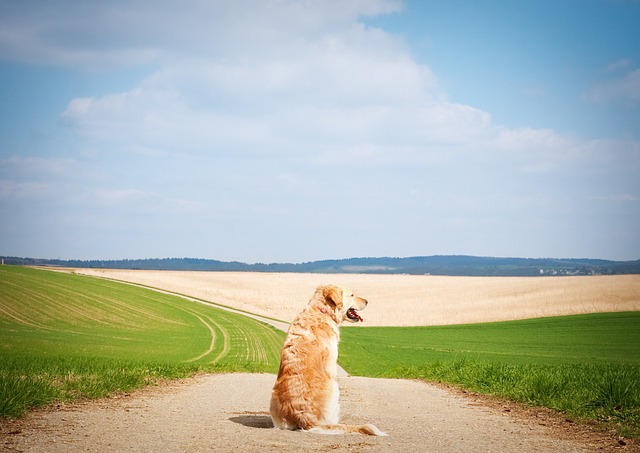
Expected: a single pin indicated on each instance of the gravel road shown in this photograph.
(229, 413)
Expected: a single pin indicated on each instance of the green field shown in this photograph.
(595, 338)
(587, 366)
(65, 336)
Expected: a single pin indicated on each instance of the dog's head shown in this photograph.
(342, 302)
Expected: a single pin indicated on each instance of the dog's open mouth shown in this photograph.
(351, 314)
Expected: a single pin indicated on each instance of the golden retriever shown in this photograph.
(305, 395)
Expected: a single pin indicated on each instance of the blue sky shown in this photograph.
(272, 131)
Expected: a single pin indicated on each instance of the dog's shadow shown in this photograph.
(253, 420)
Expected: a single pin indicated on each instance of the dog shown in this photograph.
(305, 394)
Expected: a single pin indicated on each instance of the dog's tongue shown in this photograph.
(354, 315)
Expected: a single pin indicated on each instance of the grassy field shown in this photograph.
(65, 336)
(587, 366)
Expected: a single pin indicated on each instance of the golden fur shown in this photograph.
(305, 395)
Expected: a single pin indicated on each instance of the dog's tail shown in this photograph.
(369, 429)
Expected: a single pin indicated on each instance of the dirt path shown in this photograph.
(229, 413)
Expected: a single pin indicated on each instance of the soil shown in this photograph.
(229, 413)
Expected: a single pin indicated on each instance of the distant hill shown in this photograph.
(418, 265)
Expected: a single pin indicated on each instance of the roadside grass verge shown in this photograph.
(585, 366)
(65, 337)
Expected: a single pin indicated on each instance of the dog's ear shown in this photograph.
(333, 296)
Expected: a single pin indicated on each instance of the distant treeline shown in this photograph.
(420, 265)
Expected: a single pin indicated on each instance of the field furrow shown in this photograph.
(226, 343)
(65, 336)
(207, 323)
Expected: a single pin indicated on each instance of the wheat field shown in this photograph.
(401, 300)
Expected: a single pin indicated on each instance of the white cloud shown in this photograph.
(621, 86)
(103, 34)
(357, 154)
(532, 140)
(261, 115)
(620, 65)
(38, 166)
(16, 191)
(618, 198)
(303, 80)
(117, 196)
(351, 84)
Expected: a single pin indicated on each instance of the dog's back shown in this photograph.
(305, 388)
(305, 395)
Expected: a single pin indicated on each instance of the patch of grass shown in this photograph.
(31, 381)
(65, 337)
(586, 366)
(604, 393)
